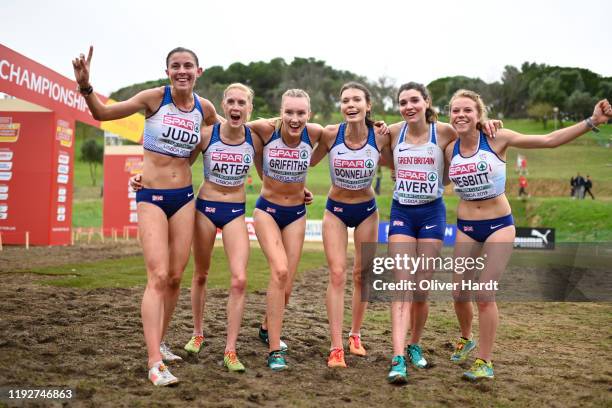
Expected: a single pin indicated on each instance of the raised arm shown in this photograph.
(141, 101)
(601, 114)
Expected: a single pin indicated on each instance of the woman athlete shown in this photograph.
(174, 116)
(484, 218)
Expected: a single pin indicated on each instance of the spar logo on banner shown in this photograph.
(64, 133)
(9, 131)
(134, 165)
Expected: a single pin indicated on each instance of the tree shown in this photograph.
(92, 153)
(580, 104)
(540, 111)
(547, 90)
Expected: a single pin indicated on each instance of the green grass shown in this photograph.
(130, 272)
(575, 220)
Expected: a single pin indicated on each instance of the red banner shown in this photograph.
(119, 214)
(36, 171)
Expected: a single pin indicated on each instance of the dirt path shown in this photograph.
(548, 354)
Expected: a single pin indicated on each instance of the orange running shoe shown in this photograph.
(355, 346)
(336, 358)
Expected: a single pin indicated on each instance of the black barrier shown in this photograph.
(534, 238)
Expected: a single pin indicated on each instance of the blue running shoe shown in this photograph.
(398, 373)
(263, 336)
(480, 369)
(462, 350)
(415, 353)
(276, 361)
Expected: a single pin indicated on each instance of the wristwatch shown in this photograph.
(591, 125)
(86, 91)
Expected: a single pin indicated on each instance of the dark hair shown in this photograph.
(430, 114)
(181, 49)
(356, 85)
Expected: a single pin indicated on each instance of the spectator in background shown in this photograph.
(250, 188)
(523, 170)
(579, 184)
(519, 160)
(523, 186)
(573, 186)
(587, 187)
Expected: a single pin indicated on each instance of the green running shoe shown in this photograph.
(415, 353)
(398, 373)
(230, 360)
(462, 350)
(263, 336)
(194, 345)
(480, 369)
(276, 361)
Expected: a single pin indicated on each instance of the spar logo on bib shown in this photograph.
(247, 159)
(226, 157)
(369, 163)
(303, 155)
(432, 176)
(285, 153)
(481, 166)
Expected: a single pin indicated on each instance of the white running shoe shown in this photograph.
(167, 355)
(161, 376)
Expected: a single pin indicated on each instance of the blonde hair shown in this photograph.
(242, 87)
(480, 106)
(294, 93)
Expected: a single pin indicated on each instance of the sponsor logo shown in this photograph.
(301, 212)
(179, 122)
(304, 154)
(227, 157)
(9, 132)
(341, 153)
(412, 175)
(157, 198)
(496, 226)
(427, 227)
(432, 176)
(189, 195)
(235, 211)
(370, 208)
(538, 234)
(349, 164)
(133, 165)
(369, 163)
(462, 169)
(481, 166)
(6, 155)
(285, 153)
(247, 158)
(63, 159)
(403, 150)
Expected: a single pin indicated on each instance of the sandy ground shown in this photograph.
(547, 354)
